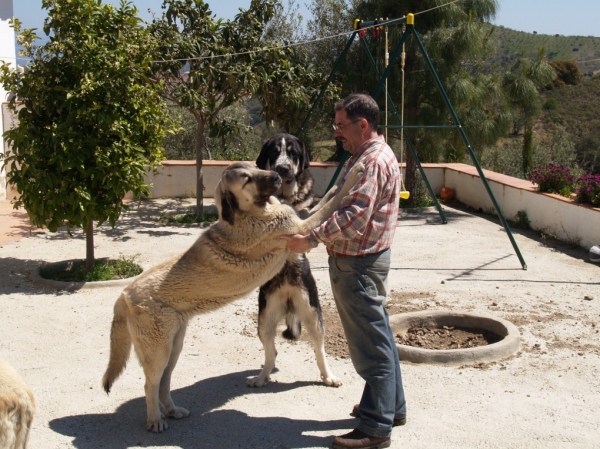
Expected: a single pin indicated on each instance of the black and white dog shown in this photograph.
(293, 292)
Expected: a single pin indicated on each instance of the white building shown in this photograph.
(7, 54)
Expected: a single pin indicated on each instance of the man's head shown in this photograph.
(356, 120)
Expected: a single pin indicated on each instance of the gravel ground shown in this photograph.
(546, 395)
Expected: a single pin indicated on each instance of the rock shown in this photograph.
(588, 297)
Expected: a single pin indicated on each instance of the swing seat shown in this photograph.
(404, 194)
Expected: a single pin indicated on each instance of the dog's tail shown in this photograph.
(294, 327)
(120, 345)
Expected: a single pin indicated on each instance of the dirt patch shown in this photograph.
(403, 302)
(447, 337)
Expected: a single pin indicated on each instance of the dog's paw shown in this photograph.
(356, 172)
(178, 413)
(257, 381)
(157, 425)
(331, 381)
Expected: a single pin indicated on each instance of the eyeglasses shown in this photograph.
(342, 127)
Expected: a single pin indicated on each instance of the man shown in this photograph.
(358, 238)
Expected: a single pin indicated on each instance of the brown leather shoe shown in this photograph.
(360, 440)
(399, 420)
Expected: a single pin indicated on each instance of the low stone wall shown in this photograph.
(552, 214)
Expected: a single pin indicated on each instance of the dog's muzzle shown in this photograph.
(286, 173)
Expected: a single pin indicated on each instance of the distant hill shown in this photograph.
(585, 50)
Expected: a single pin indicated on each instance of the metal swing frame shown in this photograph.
(408, 20)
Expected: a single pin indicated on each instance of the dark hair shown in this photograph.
(359, 106)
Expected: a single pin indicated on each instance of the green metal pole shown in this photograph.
(469, 148)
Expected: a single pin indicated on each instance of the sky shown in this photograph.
(573, 17)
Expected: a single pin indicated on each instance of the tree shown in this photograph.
(91, 121)
(210, 64)
(523, 82)
(457, 44)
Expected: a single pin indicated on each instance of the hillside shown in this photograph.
(585, 50)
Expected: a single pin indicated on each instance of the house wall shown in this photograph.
(7, 54)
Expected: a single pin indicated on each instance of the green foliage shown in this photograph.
(506, 156)
(521, 220)
(550, 105)
(104, 270)
(90, 120)
(579, 113)
(241, 145)
(588, 153)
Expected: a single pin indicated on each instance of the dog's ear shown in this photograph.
(263, 158)
(229, 205)
(304, 156)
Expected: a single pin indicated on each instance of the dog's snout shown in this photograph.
(284, 171)
(275, 179)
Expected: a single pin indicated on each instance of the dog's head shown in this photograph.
(242, 186)
(286, 154)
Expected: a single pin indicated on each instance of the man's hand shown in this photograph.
(297, 243)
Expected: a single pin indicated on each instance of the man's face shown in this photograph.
(349, 132)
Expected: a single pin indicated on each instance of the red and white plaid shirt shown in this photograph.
(367, 218)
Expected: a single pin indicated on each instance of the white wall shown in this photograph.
(7, 54)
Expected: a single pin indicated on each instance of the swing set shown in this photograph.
(407, 22)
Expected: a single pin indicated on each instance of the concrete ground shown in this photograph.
(546, 395)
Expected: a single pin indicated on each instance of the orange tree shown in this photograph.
(90, 122)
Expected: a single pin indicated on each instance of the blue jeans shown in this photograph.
(359, 286)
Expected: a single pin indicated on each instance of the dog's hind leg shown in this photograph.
(171, 410)
(309, 310)
(153, 344)
(154, 364)
(269, 316)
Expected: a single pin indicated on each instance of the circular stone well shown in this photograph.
(506, 331)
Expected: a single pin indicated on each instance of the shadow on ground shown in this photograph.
(570, 249)
(204, 427)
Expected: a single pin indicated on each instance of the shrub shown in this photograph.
(553, 178)
(588, 189)
(521, 220)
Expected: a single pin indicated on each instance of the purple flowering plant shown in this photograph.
(553, 178)
(588, 189)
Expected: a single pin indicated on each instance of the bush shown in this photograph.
(553, 178)
(588, 189)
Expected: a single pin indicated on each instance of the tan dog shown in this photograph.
(17, 407)
(234, 256)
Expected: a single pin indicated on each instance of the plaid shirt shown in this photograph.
(366, 220)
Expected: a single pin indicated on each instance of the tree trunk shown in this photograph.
(89, 247)
(410, 179)
(527, 148)
(198, 145)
